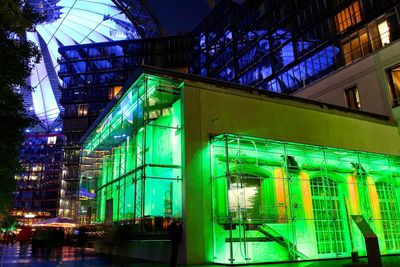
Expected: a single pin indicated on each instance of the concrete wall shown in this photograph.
(368, 74)
(151, 250)
(214, 110)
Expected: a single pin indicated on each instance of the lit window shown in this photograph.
(113, 91)
(51, 140)
(394, 81)
(348, 17)
(36, 168)
(328, 220)
(380, 33)
(384, 34)
(83, 109)
(351, 49)
(352, 98)
(388, 205)
(355, 46)
(244, 196)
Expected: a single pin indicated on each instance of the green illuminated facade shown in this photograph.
(131, 162)
(280, 186)
(280, 201)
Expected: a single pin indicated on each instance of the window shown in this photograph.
(384, 34)
(355, 46)
(383, 31)
(113, 91)
(83, 109)
(348, 17)
(244, 195)
(51, 140)
(394, 82)
(389, 214)
(328, 220)
(352, 98)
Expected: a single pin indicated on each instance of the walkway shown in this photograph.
(10, 257)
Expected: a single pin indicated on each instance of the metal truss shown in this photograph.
(141, 16)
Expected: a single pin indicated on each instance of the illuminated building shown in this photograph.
(68, 23)
(256, 176)
(93, 74)
(37, 193)
(340, 52)
(72, 23)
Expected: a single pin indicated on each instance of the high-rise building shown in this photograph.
(92, 75)
(67, 23)
(287, 46)
(37, 195)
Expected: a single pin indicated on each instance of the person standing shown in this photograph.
(1, 238)
(24, 238)
(174, 233)
(9, 238)
(82, 239)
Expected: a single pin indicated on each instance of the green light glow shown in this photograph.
(271, 200)
(280, 201)
(134, 155)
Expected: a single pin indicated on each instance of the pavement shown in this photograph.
(13, 256)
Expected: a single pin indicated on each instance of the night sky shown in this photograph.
(178, 16)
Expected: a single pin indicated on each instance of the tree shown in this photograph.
(18, 57)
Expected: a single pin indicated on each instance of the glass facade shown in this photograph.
(281, 46)
(92, 75)
(39, 182)
(279, 201)
(77, 22)
(131, 162)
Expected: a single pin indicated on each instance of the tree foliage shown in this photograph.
(18, 57)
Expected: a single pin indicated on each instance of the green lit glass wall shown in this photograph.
(131, 162)
(280, 201)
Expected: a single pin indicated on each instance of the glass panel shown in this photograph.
(389, 209)
(349, 16)
(280, 201)
(134, 159)
(384, 34)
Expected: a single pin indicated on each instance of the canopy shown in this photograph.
(56, 222)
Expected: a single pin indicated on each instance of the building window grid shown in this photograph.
(363, 48)
(348, 17)
(389, 214)
(327, 219)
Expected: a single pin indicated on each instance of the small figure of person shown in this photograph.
(10, 238)
(36, 243)
(82, 239)
(58, 236)
(1, 238)
(24, 237)
(174, 233)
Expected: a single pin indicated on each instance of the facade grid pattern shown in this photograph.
(301, 206)
(388, 203)
(282, 46)
(136, 180)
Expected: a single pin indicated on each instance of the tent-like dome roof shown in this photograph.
(72, 22)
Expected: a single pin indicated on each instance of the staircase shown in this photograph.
(281, 240)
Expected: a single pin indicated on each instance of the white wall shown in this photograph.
(368, 74)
